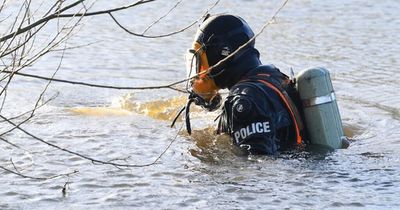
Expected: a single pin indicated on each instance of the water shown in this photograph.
(356, 40)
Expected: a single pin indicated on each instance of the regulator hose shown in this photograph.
(193, 97)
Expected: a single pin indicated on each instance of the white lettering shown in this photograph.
(243, 133)
(249, 132)
(257, 127)
(266, 127)
(237, 136)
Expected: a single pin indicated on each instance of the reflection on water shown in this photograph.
(213, 149)
(209, 147)
(159, 109)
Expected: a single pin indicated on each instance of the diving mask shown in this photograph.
(197, 66)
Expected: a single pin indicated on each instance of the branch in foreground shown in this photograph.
(167, 34)
(10, 143)
(32, 110)
(57, 14)
(168, 86)
(93, 160)
(38, 178)
(151, 36)
(162, 17)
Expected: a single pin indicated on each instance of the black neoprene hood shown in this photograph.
(220, 35)
(223, 32)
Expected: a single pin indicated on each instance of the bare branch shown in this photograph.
(13, 25)
(93, 160)
(38, 178)
(48, 84)
(32, 35)
(52, 43)
(15, 167)
(75, 47)
(2, 5)
(151, 36)
(30, 111)
(57, 14)
(162, 17)
(10, 143)
(44, 51)
(102, 12)
(162, 35)
(168, 86)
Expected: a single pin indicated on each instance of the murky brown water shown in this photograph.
(357, 40)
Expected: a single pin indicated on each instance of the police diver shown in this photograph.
(259, 113)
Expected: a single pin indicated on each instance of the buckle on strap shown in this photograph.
(319, 100)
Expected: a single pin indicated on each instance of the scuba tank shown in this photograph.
(321, 113)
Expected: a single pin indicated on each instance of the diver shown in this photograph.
(261, 111)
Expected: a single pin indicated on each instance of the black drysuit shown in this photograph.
(254, 114)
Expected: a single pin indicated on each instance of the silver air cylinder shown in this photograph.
(321, 112)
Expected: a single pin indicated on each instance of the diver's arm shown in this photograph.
(251, 129)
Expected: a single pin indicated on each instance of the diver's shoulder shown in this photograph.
(248, 88)
(265, 69)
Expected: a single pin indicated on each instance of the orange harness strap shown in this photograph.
(290, 107)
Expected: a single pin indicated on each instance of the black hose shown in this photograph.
(177, 116)
(187, 116)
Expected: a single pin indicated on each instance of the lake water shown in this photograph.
(358, 41)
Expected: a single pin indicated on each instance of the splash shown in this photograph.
(209, 147)
(164, 109)
(99, 111)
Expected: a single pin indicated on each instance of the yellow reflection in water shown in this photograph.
(213, 148)
(100, 111)
(209, 147)
(165, 109)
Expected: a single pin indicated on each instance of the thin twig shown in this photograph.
(57, 14)
(168, 86)
(93, 160)
(162, 17)
(48, 84)
(38, 178)
(151, 36)
(102, 12)
(64, 189)
(13, 25)
(162, 35)
(10, 143)
(76, 46)
(2, 5)
(44, 51)
(30, 111)
(221, 62)
(15, 167)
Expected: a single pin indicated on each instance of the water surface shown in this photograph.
(356, 40)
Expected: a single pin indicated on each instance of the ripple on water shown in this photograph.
(341, 204)
(358, 47)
